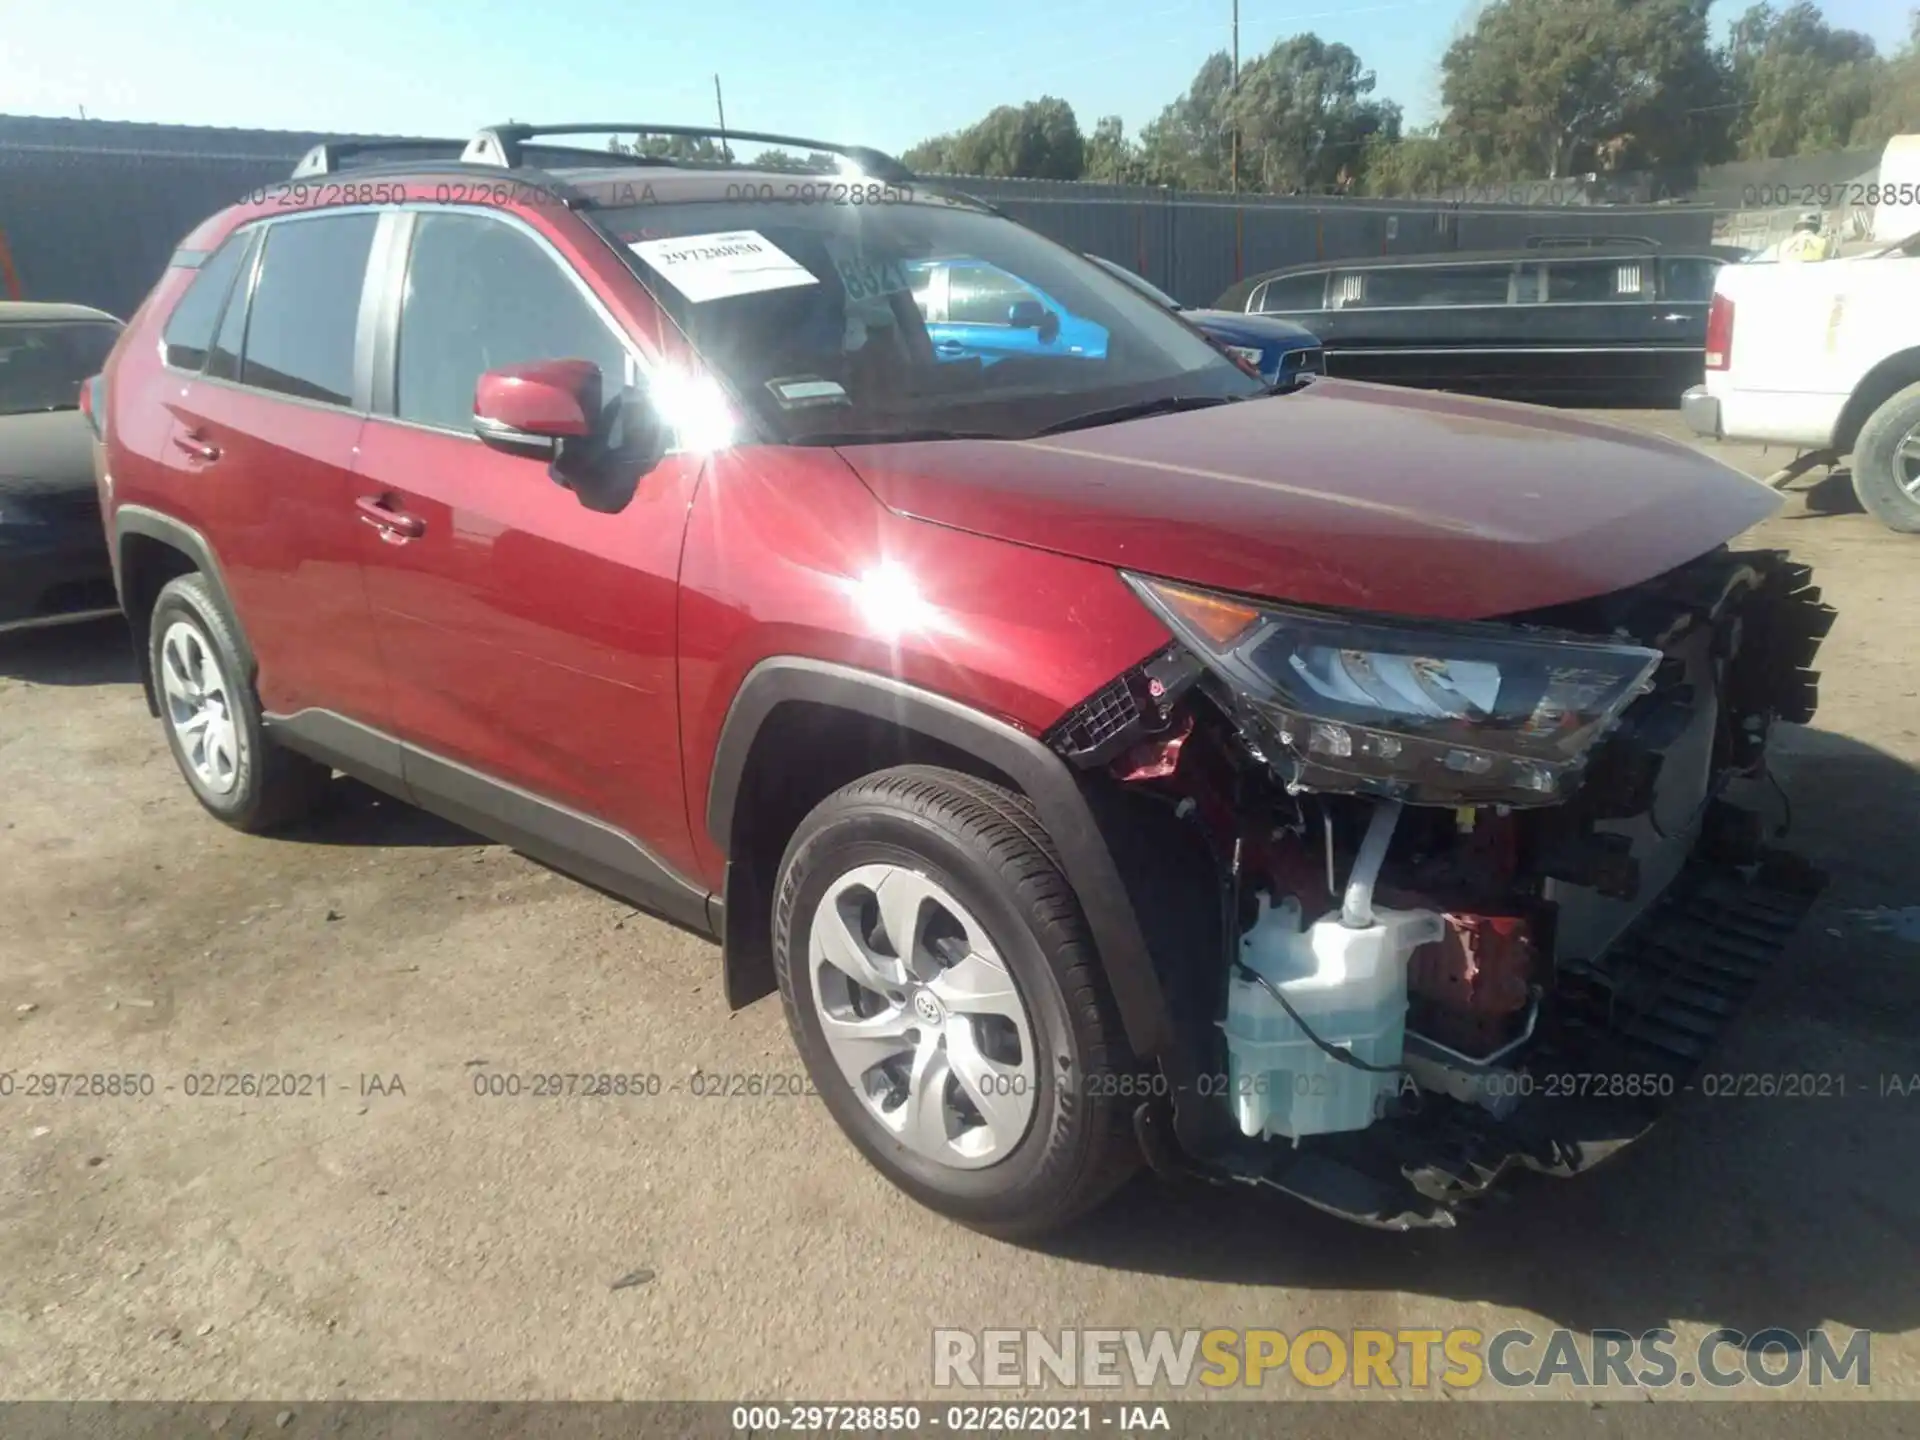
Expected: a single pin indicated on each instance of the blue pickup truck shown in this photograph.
(977, 311)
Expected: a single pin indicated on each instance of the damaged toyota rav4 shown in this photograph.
(1108, 759)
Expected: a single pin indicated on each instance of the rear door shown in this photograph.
(262, 448)
(531, 641)
(1597, 330)
(1432, 325)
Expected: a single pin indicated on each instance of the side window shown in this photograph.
(1293, 293)
(190, 328)
(920, 278)
(306, 307)
(223, 359)
(982, 295)
(1450, 285)
(482, 294)
(1589, 282)
(1688, 281)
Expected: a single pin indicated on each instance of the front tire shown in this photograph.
(945, 995)
(1886, 463)
(212, 716)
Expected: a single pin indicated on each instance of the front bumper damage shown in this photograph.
(1595, 949)
(1632, 1030)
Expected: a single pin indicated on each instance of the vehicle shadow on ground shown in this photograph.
(358, 814)
(1831, 494)
(94, 652)
(1745, 1212)
(99, 653)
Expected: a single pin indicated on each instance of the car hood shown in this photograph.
(45, 451)
(1253, 327)
(1343, 494)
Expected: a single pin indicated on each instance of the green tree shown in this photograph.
(1188, 144)
(1896, 99)
(696, 148)
(1305, 116)
(1802, 85)
(1425, 164)
(1555, 87)
(1112, 158)
(1304, 112)
(813, 163)
(1039, 140)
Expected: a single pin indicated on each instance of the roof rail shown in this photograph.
(501, 144)
(327, 158)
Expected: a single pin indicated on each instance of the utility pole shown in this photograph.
(721, 106)
(1233, 91)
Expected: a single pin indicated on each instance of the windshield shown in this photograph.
(43, 363)
(841, 322)
(1120, 272)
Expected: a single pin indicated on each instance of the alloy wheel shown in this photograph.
(1906, 463)
(200, 707)
(922, 1017)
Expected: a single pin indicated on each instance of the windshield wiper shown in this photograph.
(889, 437)
(1138, 410)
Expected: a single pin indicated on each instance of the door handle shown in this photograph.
(195, 443)
(950, 347)
(1672, 317)
(396, 527)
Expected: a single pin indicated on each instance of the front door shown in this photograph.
(530, 641)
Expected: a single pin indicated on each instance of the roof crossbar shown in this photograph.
(502, 144)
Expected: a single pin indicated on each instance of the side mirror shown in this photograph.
(553, 410)
(532, 408)
(1032, 315)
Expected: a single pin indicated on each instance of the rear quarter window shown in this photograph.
(1291, 294)
(189, 330)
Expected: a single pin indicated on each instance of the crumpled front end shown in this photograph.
(1432, 902)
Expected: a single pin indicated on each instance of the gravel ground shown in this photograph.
(402, 1236)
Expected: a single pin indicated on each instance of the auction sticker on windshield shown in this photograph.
(712, 267)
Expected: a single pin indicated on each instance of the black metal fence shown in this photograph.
(95, 224)
(1195, 246)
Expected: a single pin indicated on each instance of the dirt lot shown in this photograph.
(431, 1242)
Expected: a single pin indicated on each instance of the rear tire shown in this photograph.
(974, 1061)
(212, 716)
(1886, 463)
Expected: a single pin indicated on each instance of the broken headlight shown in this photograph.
(1433, 714)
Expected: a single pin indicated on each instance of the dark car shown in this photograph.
(1106, 760)
(1284, 353)
(53, 563)
(1560, 324)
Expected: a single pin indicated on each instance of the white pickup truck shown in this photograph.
(1824, 356)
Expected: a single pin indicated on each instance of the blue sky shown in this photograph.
(838, 69)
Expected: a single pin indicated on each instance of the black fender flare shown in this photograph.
(139, 520)
(1043, 776)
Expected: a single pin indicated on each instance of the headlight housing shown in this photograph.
(1428, 713)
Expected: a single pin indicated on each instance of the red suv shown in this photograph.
(1107, 758)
